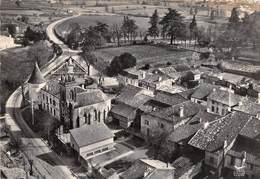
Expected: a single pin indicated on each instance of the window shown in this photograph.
(146, 122)
(89, 154)
(54, 112)
(162, 125)
(104, 149)
(216, 109)
(54, 102)
(47, 99)
(223, 112)
(97, 151)
(213, 102)
(43, 97)
(212, 109)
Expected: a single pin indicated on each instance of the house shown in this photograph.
(168, 119)
(6, 42)
(221, 101)
(149, 169)
(131, 76)
(127, 103)
(91, 140)
(242, 156)
(186, 167)
(202, 92)
(181, 136)
(153, 82)
(218, 137)
(249, 105)
(50, 98)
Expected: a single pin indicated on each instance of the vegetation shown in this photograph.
(119, 63)
(172, 25)
(153, 30)
(129, 28)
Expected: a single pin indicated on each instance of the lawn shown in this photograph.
(144, 54)
(17, 64)
(90, 20)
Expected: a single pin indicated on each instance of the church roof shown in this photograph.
(36, 76)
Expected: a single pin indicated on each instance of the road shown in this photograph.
(47, 162)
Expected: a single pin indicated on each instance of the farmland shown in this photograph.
(144, 54)
(88, 20)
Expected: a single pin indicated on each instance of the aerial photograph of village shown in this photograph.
(129, 89)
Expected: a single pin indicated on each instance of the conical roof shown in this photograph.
(36, 76)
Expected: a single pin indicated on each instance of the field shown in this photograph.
(144, 54)
(88, 20)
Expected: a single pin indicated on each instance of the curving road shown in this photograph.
(46, 162)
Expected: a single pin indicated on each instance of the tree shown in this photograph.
(18, 3)
(234, 18)
(172, 24)
(125, 60)
(212, 14)
(103, 29)
(153, 29)
(11, 29)
(25, 19)
(92, 39)
(116, 33)
(129, 28)
(193, 28)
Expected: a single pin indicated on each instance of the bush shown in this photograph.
(119, 63)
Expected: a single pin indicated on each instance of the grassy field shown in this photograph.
(144, 54)
(17, 63)
(88, 20)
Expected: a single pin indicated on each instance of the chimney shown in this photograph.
(205, 125)
(229, 95)
(181, 111)
(143, 74)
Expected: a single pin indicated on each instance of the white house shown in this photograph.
(91, 140)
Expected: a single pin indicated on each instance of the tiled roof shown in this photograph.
(181, 68)
(168, 98)
(128, 92)
(171, 89)
(90, 98)
(222, 96)
(155, 169)
(153, 105)
(249, 106)
(187, 93)
(123, 110)
(232, 78)
(226, 128)
(154, 78)
(203, 90)
(90, 134)
(252, 129)
(182, 165)
(188, 130)
(132, 96)
(52, 87)
(36, 76)
(252, 150)
(172, 115)
(167, 70)
(132, 73)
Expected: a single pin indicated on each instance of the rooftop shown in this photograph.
(225, 97)
(249, 106)
(188, 130)
(172, 114)
(90, 134)
(154, 78)
(36, 76)
(90, 97)
(203, 90)
(168, 98)
(227, 128)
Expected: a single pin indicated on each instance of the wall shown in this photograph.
(108, 143)
(219, 108)
(103, 108)
(198, 101)
(49, 106)
(213, 159)
(154, 125)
